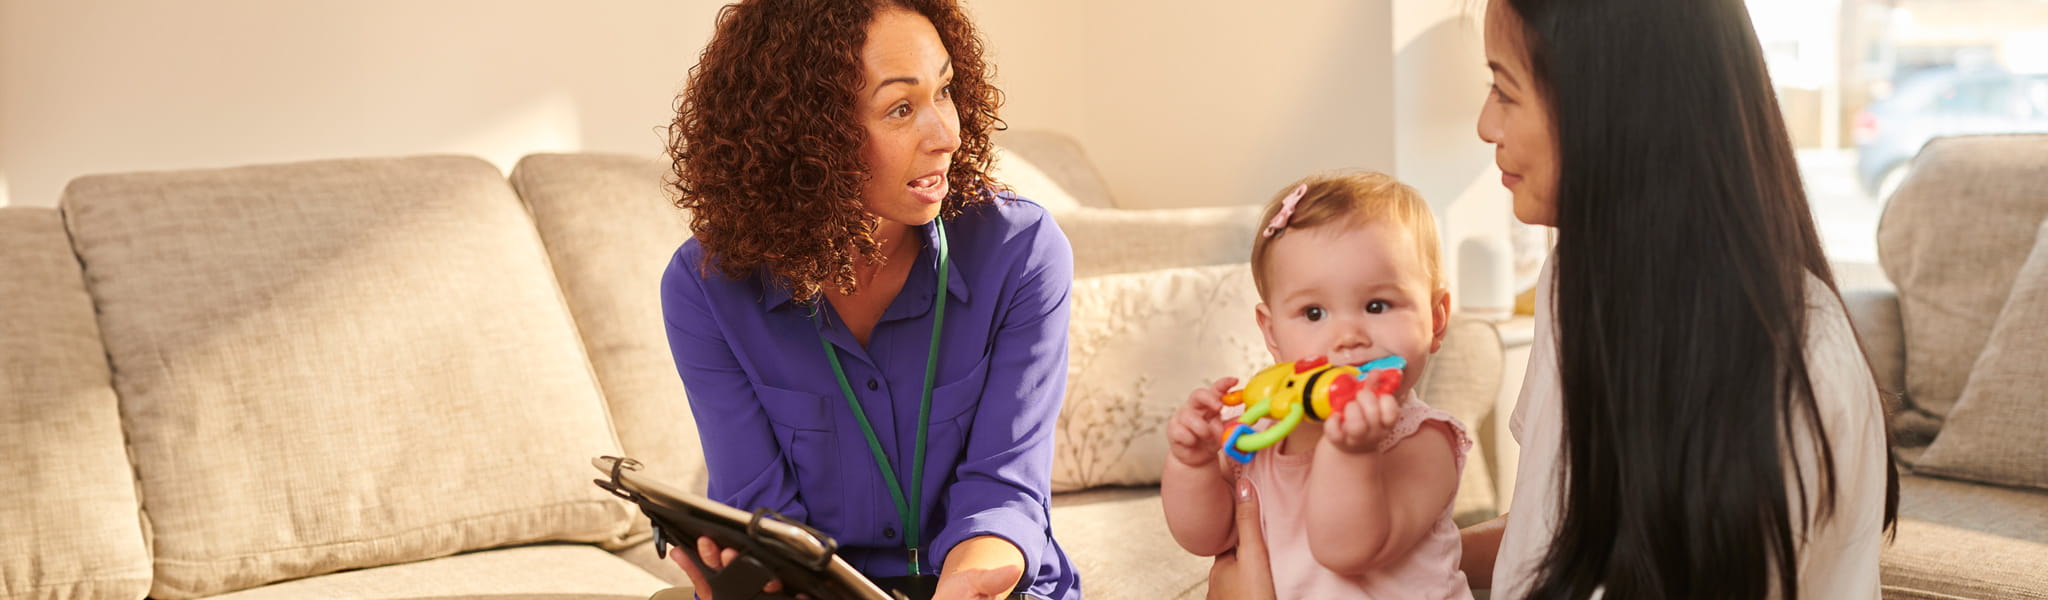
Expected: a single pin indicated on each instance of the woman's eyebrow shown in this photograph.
(1502, 72)
(911, 79)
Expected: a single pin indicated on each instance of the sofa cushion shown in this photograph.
(339, 364)
(1118, 541)
(1951, 239)
(1463, 379)
(1028, 180)
(1061, 161)
(547, 572)
(1138, 344)
(610, 231)
(1998, 432)
(72, 526)
(1962, 540)
(1110, 241)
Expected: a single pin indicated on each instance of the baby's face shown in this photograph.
(1352, 294)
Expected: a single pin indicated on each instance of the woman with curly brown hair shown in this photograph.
(874, 340)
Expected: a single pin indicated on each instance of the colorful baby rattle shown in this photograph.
(1311, 388)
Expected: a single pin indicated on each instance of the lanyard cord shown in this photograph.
(906, 510)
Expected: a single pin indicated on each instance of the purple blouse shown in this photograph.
(778, 434)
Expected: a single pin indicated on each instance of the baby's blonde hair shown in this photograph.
(1354, 199)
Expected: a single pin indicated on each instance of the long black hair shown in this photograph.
(1684, 247)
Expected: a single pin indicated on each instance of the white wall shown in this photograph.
(117, 85)
(1188, 103)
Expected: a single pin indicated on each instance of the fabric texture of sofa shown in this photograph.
(384, 378)
(1959, 344)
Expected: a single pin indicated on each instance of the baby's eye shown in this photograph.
(1314, 313)
(1377, 306)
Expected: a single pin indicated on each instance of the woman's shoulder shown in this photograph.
(1008, 216)
(691, 274)
(1841, 376)
(1009, 227)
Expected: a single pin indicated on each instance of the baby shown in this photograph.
(1358, 506)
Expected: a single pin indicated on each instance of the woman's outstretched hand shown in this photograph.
(978, 584)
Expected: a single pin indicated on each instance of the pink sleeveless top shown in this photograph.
(1429, 571)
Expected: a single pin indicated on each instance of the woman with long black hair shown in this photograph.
(1698, 419)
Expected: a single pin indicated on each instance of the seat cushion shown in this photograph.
(72, 526)
(1964, 540)
(610, 231)
(1118, 541)
(339, 364)
(547, 572)
(1951, 239)
(1998, 431)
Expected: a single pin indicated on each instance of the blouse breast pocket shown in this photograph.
(803, 427)
(959, 397)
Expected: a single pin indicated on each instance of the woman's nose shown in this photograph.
(942, 132)
(1489, 123)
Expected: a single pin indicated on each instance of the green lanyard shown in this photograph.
(906, 510)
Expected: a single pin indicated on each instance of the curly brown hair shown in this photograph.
(766, 141)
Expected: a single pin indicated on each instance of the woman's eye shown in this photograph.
(1314, 313)
(1377, 306)
(901, 110)
(1499, 95)
(946, 93)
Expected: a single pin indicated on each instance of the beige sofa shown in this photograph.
(1962, 341)
(384, 378)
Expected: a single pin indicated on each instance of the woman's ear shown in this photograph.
(1440, 319)
(1265, 318)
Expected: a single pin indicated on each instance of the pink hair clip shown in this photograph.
(1286, 211)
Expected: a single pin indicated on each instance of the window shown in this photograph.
(1865, 83)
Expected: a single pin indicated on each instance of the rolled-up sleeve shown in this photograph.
(745, 463)
(1003, 483)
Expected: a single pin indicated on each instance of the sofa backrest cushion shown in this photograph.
(70, 526)
(1058, 159)
(1952, 239)
(610, 231)
(339, 364)
(1997, 431)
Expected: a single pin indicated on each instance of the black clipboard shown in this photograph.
(770, 546)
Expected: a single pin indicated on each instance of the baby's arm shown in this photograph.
(1368, 508)
(1195, 486)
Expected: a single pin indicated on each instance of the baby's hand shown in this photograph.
(1363, 424)
(1195, 432)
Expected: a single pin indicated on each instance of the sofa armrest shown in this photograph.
(1875, 313)
(1108, 241)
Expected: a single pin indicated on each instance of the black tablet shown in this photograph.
(770, 546)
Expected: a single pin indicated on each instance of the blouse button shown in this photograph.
(889, 532)
(872, 386)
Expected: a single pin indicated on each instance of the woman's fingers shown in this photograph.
(698, 581)
(708, 550)
(1255, 570)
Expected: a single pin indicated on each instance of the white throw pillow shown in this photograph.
(1139, 343)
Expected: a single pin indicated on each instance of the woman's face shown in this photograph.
(907, 106)
(1516, 120)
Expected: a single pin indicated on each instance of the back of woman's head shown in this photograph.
(766, 143)
(1685, 248)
